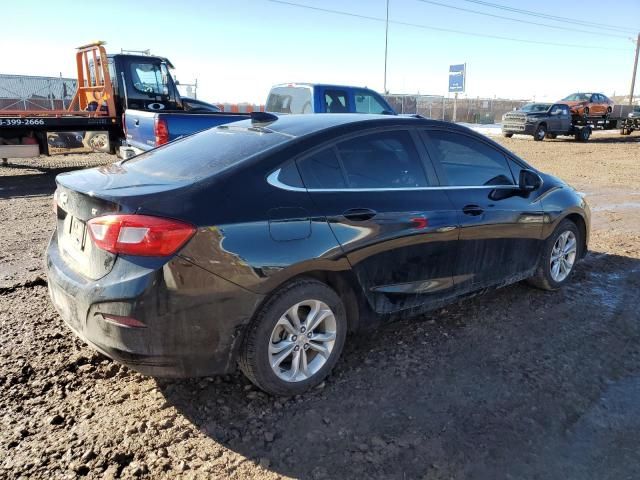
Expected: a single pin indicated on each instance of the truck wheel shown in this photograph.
(551, 136)
(507, 135)
(624, 131)
(540, 133)
(585, 113)
(583, 135)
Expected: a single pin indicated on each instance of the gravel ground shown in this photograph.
(518, 383)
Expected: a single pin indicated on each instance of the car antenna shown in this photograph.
(263, 117)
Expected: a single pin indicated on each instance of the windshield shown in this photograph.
(292, 99)
(536, 107)
(205, 153)
(148, 78)
(578, 97)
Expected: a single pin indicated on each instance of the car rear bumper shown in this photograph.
(193, 320)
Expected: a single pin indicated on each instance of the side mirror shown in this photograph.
(529, 180)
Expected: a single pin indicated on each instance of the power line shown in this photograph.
(546, 25)
(556, 18)
(446, 30)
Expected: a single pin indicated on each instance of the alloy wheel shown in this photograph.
(563, 255)
(302, 340)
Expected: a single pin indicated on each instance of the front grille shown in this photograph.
(513, 126)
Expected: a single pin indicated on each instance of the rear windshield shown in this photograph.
(205, 153)
(290, 100)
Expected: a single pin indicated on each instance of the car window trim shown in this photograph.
(274, 181)
(429, 164)
(440, 169)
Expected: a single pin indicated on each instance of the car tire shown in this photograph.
(551, 136)
(585, 112)
(296, 361)
(552, 273)
(540, 133)
(507, 135)
(583, 134)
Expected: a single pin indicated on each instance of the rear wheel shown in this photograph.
(585, 112)
(295, 339)
(561, 251)
(583, 134)
(540, 133)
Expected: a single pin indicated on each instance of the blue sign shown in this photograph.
(456, 77)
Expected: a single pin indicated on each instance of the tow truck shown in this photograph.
(550, 120)
(107, 85)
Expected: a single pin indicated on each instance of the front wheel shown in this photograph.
(540, 133)
(295, 339)
(561, 251)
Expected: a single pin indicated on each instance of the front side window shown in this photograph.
(368, 103)
(467, 161)
(147, 78)
(382, 160)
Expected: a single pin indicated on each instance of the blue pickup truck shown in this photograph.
(147, 130)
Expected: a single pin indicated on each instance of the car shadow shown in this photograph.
(489, 387)
(27, 185)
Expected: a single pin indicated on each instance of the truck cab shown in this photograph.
(321, 98)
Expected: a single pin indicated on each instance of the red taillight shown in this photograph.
(161, 131)
(139, 234)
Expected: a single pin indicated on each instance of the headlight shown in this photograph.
(532, 119)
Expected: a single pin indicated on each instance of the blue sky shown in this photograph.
(238, 49)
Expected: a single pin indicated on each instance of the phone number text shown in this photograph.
(21, 122)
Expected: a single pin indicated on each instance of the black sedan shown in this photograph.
(262, 243)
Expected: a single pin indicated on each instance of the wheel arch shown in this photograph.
(579, 221)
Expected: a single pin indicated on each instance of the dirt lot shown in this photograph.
(519, 383)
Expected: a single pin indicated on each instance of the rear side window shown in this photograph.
(293, 99)
(322, 170)
(335, 101)
(204, 154)
(368, 103)
(467, 161)
(382, 160)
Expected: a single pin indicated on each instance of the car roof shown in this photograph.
(323, 85)
(301, 125)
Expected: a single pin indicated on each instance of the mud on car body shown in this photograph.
(263, 243)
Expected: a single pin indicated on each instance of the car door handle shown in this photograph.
(473, 210)
(359, 214)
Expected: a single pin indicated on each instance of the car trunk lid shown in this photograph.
(91, 193)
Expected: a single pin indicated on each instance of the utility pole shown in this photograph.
(635, 69)
(386, 40)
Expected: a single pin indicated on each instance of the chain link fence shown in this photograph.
(22, 92)
(469, 110)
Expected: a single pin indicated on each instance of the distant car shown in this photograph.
(262, 243)
(635, 113)
(589, 104)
